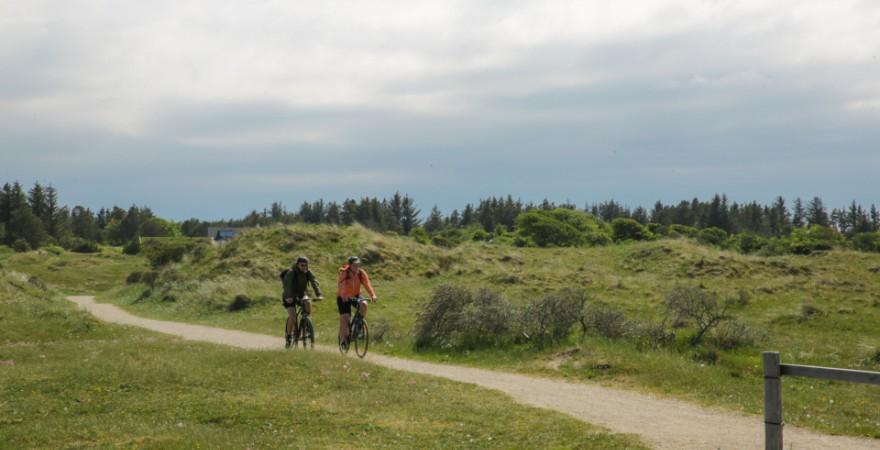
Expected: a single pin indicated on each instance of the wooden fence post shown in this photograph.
(772, 401)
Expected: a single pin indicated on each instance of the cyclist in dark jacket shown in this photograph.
(295, 282)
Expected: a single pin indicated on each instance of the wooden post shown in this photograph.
(772, 402)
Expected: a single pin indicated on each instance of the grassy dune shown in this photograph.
(822, 309)
(68, 381)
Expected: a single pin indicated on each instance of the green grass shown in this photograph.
(75, 273)
(843, 286)
(68, 381)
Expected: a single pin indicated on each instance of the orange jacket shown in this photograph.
(349, 286)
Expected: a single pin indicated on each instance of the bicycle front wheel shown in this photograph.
(362, 341)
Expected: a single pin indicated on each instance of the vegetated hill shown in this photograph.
(68, 380)
(821, 309)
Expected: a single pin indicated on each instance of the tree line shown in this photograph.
(33, 218)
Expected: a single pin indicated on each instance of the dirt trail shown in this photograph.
(661, 422)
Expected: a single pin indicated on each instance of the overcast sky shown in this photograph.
(213, 108)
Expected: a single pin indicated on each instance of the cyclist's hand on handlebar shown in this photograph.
(320, 297)
(374, 299)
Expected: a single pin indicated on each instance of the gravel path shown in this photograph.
(661, 422)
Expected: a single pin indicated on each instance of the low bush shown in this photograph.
(133, 247)
(163, 251)
(605, 321)
(734, 334)
(804, 241)
(240, 302)
(623, 229)
(713, 236)
(549, 319)
(80, 245)
(21, 246)
(749, 242)
(698, 307)
(677, 230)
(867, 242)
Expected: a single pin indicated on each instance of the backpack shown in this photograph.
(283, 273)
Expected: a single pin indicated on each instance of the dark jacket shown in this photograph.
(296, 282)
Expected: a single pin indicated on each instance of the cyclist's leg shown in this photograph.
(344, 315)
(291, 321)
(307, 306)
(363, 308)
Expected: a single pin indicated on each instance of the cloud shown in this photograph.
(452, 99)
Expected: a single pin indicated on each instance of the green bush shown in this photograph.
(456, 317)
(562, 227)
(623, 229)
(713, 236)
(133, 247)
(80, 245)
(162, 251)
(481, 235)
(749, 242)
(804, 241)
(20, 245)
(420, 235)
(867, 242)
(549, 319)
(657, 229)
(54, 249)
(677, 230)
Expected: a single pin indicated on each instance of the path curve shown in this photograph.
(661, 422)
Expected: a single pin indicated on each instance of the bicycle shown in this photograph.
(304, 330)
(358, 331)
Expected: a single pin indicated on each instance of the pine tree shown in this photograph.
(816, 213)
(409, 215)
(875, 218)
(798, 216)
(435, 220)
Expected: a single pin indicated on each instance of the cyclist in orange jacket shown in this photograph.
(351, 278)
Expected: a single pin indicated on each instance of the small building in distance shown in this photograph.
(222, 234)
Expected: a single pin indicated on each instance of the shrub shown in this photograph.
(562, 227)
(657, 229)
(703, 309)
(481, 235)
(713, 236)
(240, 302)
(485, 321)
(652, 335)
(21, 245)
(867, 242)
(420, 235)
(549, 319)
(133, 247)
(734, 334)
(605, 321)
(677, 230)
(628, 230)
(162, 251)
(80, 245)
(749, 242)
(54, 249)
(804, 241)
(440, 316)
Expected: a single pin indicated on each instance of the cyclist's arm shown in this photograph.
(315, 285)
(365, 280)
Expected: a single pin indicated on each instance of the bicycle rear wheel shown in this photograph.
(362, 339)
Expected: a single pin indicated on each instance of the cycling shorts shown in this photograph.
(344, 306)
